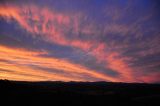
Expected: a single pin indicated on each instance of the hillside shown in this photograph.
(78, 93)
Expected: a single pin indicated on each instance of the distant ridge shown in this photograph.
(6, 80)
(59, 93)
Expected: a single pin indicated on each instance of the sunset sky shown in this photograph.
(80, 40)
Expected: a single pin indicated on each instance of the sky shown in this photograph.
(80, 40)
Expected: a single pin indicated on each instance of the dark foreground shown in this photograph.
(78, 93)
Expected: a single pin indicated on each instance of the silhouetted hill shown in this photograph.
(79, 93)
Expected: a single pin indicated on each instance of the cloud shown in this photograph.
(22, 61)
(111, 42)
(53, 34)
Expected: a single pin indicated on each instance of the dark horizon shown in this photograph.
(79, 93)
(59, 81)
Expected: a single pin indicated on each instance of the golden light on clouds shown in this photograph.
(22, 63)
(77, 45)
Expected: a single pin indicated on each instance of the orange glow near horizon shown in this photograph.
(20, 66)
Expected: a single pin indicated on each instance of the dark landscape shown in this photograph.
(78, 93)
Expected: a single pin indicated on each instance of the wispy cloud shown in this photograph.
(21, 61)
(118, 41)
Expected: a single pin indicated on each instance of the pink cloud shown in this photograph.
(54, 26)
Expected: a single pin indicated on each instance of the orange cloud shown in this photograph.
(20, 61)
(114, 63)
(54, 26)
